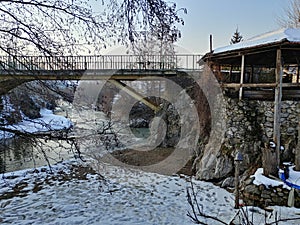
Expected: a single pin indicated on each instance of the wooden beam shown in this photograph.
(259, 85)
(242, 77)
(134, 94)
(277, 105)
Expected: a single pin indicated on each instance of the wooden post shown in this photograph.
(297, 153)
(277, 105)
(230, 74)
(238, 159)
(236, 184)
(269, 161)
(210, 43)
(298, 70)
(242, 77)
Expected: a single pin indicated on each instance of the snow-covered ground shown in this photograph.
(48, 121)
(125, 197)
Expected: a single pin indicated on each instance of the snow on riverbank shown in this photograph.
(48, 121)
(124, 197)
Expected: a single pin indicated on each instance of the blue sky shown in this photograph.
(221, 17)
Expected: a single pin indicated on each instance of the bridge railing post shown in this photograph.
(85, 63)
(193, 62)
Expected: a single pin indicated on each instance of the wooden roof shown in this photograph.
(260, 50)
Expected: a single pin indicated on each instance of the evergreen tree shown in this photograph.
(237, 37)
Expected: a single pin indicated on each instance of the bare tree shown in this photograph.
(155, 16)
(58, 27)
(291, 15)
(53, 27)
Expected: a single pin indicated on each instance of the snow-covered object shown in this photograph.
(291, 35)
(259, 179)
(293, 178)
(47, 122)
(272, 144)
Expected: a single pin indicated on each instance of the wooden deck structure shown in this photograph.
(253, 69)
(265, 67)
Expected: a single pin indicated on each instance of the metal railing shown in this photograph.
(97, 62)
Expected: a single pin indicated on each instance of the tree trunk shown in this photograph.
(269, 162)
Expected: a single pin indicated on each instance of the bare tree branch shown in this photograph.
(291, 15)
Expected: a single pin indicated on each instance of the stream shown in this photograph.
(20, 153)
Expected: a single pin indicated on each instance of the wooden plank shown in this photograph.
(242, 77)
(259, 85)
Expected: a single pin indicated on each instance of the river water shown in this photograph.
(20, 153)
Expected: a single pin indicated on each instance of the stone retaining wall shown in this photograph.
(260, 195)
(249, 128)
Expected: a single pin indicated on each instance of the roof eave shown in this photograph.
(248, 50)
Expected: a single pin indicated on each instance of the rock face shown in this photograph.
(227, 126)
(173, 126)
(27, 100)
(249, 126)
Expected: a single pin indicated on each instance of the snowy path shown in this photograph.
(127, 197)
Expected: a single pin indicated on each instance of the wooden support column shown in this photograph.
(242, 77)
(298, 75)
(230, 74)
(277, 105)
(297, 153)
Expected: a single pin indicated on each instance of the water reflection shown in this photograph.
(22, 153)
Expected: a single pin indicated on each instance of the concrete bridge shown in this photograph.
(15, 70)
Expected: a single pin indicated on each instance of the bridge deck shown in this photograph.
(15, 70)
(85, 74)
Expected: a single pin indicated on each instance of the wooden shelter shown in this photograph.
(263, 61)
(265, 67)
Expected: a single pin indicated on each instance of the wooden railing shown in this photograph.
(117, 62)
